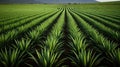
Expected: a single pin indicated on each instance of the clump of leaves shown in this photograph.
(11, 57)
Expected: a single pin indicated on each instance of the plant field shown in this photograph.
(60, 35)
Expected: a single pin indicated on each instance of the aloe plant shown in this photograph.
(53, 44)
(77, 44)
(8, 36)
(11, 58)
(23, 44)
(85, 59)
(114, 57)
(46, 58)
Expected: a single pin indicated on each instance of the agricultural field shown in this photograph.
(60, 35)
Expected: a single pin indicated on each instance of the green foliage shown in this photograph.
(99, 40)
(7, 37)
(114, 57)
(11, 58)
(56, 35)
(85, 59)
(46, 58)
(23, 44)
(78, 44)
(53, 43)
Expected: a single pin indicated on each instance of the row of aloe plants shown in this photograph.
(100, 44)
(51, 50)
(80, 56)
